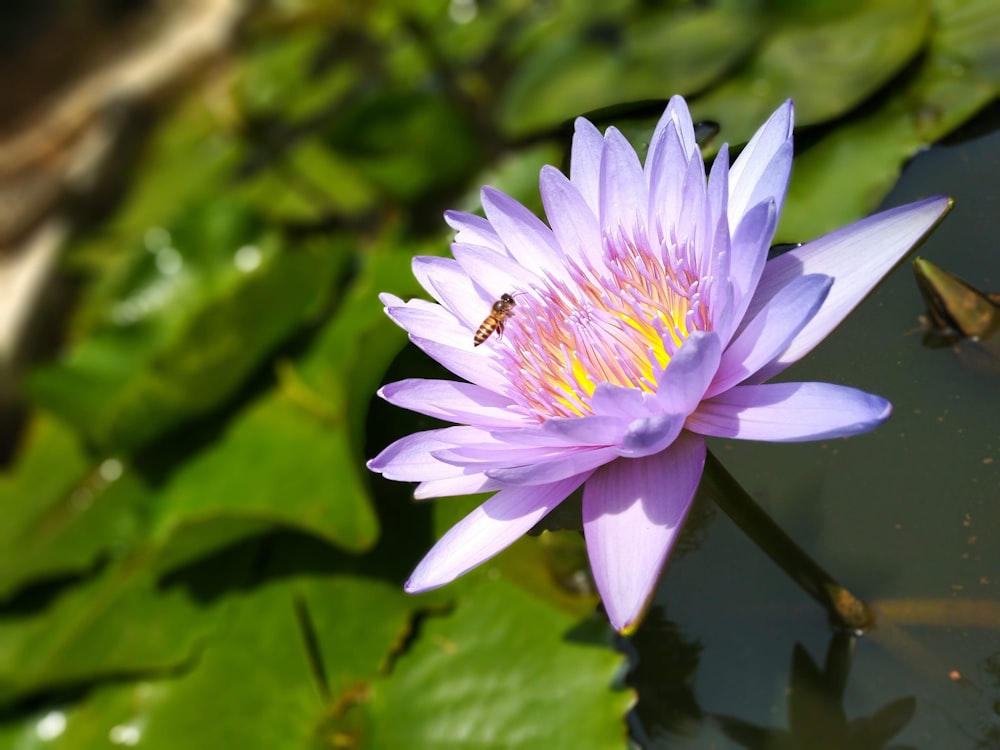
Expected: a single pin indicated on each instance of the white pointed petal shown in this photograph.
(632, 513)
(490, 528)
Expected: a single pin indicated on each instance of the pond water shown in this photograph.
(907, 517)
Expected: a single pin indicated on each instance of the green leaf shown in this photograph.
(123, 622)
(283, 75)
(344, 367)
(358, 623)
(62, 513)
(580, 64)
(49, 464)
(277, 464)
(846, 175)
(391, 137)
(498, 672)
(257, 682)
(294, 456)
(253, 687)
(827, 59)
(308, 182)
(185, 337)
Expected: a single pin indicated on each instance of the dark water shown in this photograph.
(907, 517)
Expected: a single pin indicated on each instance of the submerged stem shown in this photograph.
(845, 609)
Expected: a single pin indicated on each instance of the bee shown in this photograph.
(502, 309)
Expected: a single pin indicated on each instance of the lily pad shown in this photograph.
(269, 678)
(847, 173)
(498, 672)
(579, 64)
(188, 333)
(277, 464)
(64, 512)
(827, 57)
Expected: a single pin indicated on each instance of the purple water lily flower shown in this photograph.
(642, 318)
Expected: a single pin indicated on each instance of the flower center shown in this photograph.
(620, 326)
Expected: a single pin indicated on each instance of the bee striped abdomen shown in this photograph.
(495, 321)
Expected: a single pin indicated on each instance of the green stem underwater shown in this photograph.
(845, 610)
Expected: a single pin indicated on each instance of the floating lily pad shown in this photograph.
(497, 672)
(827, 57)
(201, 312)
(580, 64)
(846, 174)
(256, 683)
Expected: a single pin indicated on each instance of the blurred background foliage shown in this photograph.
(193, 551)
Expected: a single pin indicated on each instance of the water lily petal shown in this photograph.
(650, 435)
(666, 167)
(573, 221)
(431, 321)
(475, 230)
(789, 412)
(771, 330)
(585, 162)
(715, 256)
(490, 528)
(453, 401)
(857, 256)
(624, 195)
(689, 373)
(569, 464)
(495, 455)
(409, 459)
(761, 171)
(632, 514)
(464, 484)
(444, 279)
(474, 364)
(496, 274)
(748, 257)
(676, 118)
(529, 241)
(615, 400)
(592, 430)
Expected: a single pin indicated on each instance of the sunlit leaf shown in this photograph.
(257, 682)
(64, 513)
(278, 464)
(498, 672)
(119, 623)
(187, 335)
